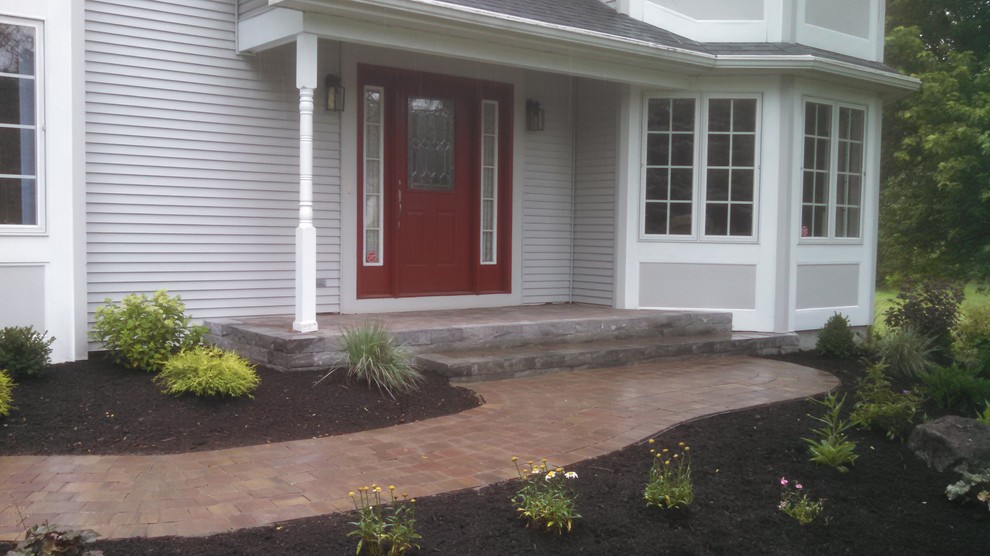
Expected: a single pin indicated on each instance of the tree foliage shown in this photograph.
(935, 201)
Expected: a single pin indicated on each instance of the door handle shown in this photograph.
(400, 197)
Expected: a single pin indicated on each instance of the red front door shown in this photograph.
(426, 227)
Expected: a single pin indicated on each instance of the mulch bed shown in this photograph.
(96, 407)
(890, 503)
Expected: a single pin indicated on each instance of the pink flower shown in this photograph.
(783, 481)
(798, 486)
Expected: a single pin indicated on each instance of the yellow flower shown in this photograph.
(650, 441)
(351, 494)
(514, 458)
(412, 501)
(391, 487)
(559, 470)
(665, 450)
(667, 462)
(653, 451)
(681, 444)
(687, 448)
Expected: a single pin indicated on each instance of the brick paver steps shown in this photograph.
(565, 417)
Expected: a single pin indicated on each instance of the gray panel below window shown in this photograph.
(22, 296)
(822, 286)
(697, 286)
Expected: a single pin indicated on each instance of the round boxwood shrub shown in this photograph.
(208, 371)
(836, 338)
(24, 352)
(6, 394)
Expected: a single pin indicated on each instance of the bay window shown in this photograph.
(700, 148)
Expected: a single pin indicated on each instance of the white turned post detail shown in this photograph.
(305, 319)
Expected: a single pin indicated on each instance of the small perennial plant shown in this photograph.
(832, 446)
(384, 526)
(546, 500)
(796, 503)
(670, 484)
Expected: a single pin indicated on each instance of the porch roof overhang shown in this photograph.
(467, 32)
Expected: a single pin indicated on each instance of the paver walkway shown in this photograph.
(565, 417)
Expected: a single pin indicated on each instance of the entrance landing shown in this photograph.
(477, 344)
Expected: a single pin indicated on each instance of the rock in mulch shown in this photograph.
(952, 442)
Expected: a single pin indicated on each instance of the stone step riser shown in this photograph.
(508, 365)
(289, 351)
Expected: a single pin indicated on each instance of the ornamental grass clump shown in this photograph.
(374, 356)
(208, 371)
(143, 333)
(906, 353)
(24, 352)
(6, 394)
(796, 503)
(670, 484)
(832, 446)
(546, 500)
(385, 526)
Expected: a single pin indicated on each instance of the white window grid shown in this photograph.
(374, 165)
(489, 182)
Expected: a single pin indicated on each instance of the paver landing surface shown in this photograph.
(565, 417)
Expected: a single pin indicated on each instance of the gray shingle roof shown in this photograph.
(595, 16)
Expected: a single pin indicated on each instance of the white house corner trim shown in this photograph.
(305, 287)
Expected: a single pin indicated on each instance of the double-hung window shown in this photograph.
(19, 165)
(701, 162)
(832, 172)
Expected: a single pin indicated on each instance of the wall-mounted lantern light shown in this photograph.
(534, 116)
(335, 93)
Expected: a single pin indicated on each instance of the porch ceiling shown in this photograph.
(462, 30)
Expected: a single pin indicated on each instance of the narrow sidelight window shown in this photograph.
(489, 180)
(373, 170)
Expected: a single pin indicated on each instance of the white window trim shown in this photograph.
(380, 248)
(494, 197)
(41, 227)
(699, 182)
(833, 172)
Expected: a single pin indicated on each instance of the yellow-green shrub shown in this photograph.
(208, 371)
(6, 394)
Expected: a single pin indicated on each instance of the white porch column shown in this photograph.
(305, 320)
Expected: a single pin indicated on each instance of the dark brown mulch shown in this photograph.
(96, 407)
(890, 503)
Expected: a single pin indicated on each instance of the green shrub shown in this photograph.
(6, 394)
(957, 387)
(208, 371)
(373, 356)
(905, 352)
(879, 407)
(836, 339)
(142, 333)
(24, 352)
(931, 308)
(972, 340)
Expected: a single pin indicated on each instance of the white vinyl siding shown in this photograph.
(249, 8)
(192, 162)
(548, 194)
(594, 204)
